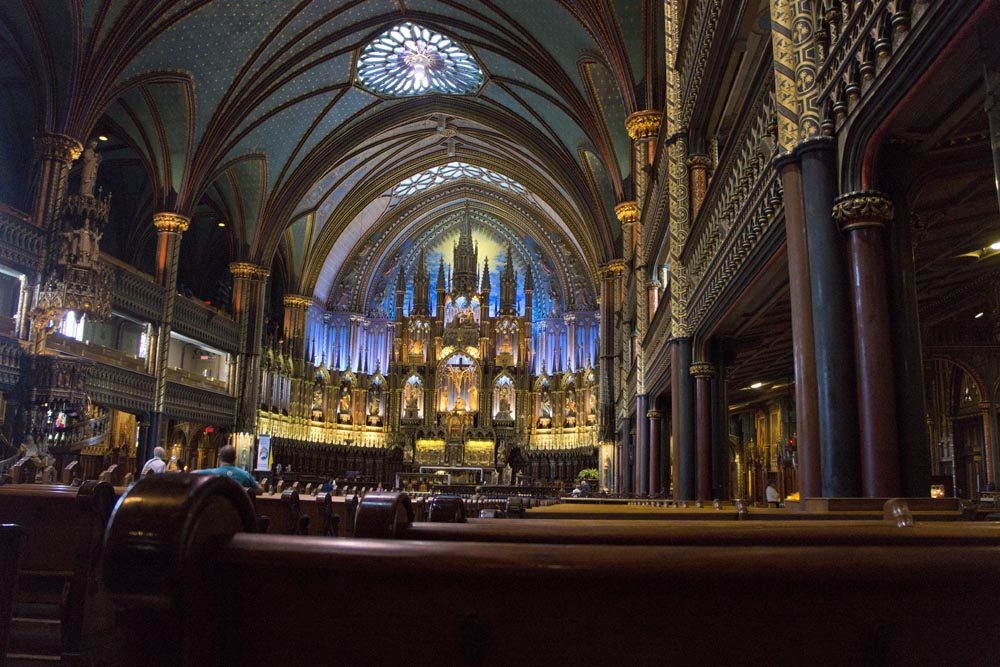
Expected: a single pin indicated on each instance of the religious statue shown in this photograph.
(546, 403)
(345, 399)
(88, 172)
(317, 403)
(411, 394)
(571, 403)
(373, 402)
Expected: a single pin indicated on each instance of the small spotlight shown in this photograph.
(102, 137)
(221, 223)
(995, 246)
(978, 315)
(757, 385)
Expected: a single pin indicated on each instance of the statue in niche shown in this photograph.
(317, 403)
(411, 397)
(545, 408)
(345, 399)
(373, 400)
(88, 172)
(571, 403)
(504, 400)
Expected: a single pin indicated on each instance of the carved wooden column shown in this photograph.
(249, 283)
(862, 217)
(703, 372)
(169, 228)
(655, 480)
(699, 167)
(54, 154)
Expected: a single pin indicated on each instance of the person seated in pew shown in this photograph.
(772, 495)
(156, 464)
(228, 467)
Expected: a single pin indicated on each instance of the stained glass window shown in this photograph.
(453, 171)
(412, 60)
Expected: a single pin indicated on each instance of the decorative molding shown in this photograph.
(627, 212)
(248, 270)
(173, 223)
(703, 370)
(54, 146)
(612, 269)
(296, 301)
(862, 209)
(643, 124)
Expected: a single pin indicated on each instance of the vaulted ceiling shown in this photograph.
(249, 112)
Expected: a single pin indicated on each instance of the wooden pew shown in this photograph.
(448, 603)
(388, 516)
(292, 514)
(58, 579)
(12, 538)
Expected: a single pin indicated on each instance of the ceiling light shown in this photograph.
(757, 385)
(102, 137)
(978, 315)
(995, 246)
(220, 223)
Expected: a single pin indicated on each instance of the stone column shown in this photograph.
(803, 335)
(169, 228)
(643, 128)
(683, 461)
(653, 291)
(988, 443)
(249, 283)
(698, 166)
(835, 423)
(610, 274)
(655, 482)
(703, 372)
(862, 217)
(296, 306)
(628, 214)
(642, 448)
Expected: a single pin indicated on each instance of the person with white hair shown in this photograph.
(156, 464)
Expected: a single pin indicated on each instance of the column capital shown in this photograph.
(862, 209)
(643, 124)
(654, 414)
(171, 222)
(654, 284)
(248, 270)
(703, 370)
(627, 212)
(612, 269)
(699, 160)
(296, 301)
(57, 147)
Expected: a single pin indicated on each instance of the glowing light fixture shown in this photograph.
(220, 223)
(978, 315)
(757, 385)
(995, 246)
(102, 137)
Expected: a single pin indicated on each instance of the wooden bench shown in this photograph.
(223, 593)
(12, 539)
(61, 608)
(290, 513)
(388, 516)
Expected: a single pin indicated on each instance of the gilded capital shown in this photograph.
(643, 124)
(57, 147)
(703, 370)
(248, 270)
(296, 301)
(627, 212)
(654, 414)
(699, 161)
(654, 284)
(171, 222)
(612, 269)
(862, 209)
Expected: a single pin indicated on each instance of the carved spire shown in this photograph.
(485, 285)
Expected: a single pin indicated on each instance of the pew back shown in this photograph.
(225, 593)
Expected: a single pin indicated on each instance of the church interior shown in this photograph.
(677, 254)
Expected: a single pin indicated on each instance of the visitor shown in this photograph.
(584, 487)
(227, 466)
(772, 495)
(157, 464)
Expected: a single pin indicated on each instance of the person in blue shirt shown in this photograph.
(227, 466)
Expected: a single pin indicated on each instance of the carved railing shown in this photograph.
(199, 405)
(569, 440)
(743, 197)
(20, 241)
(696, 43)
(117, 387)
(133, 292)
(206, 324)
(856, 39)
